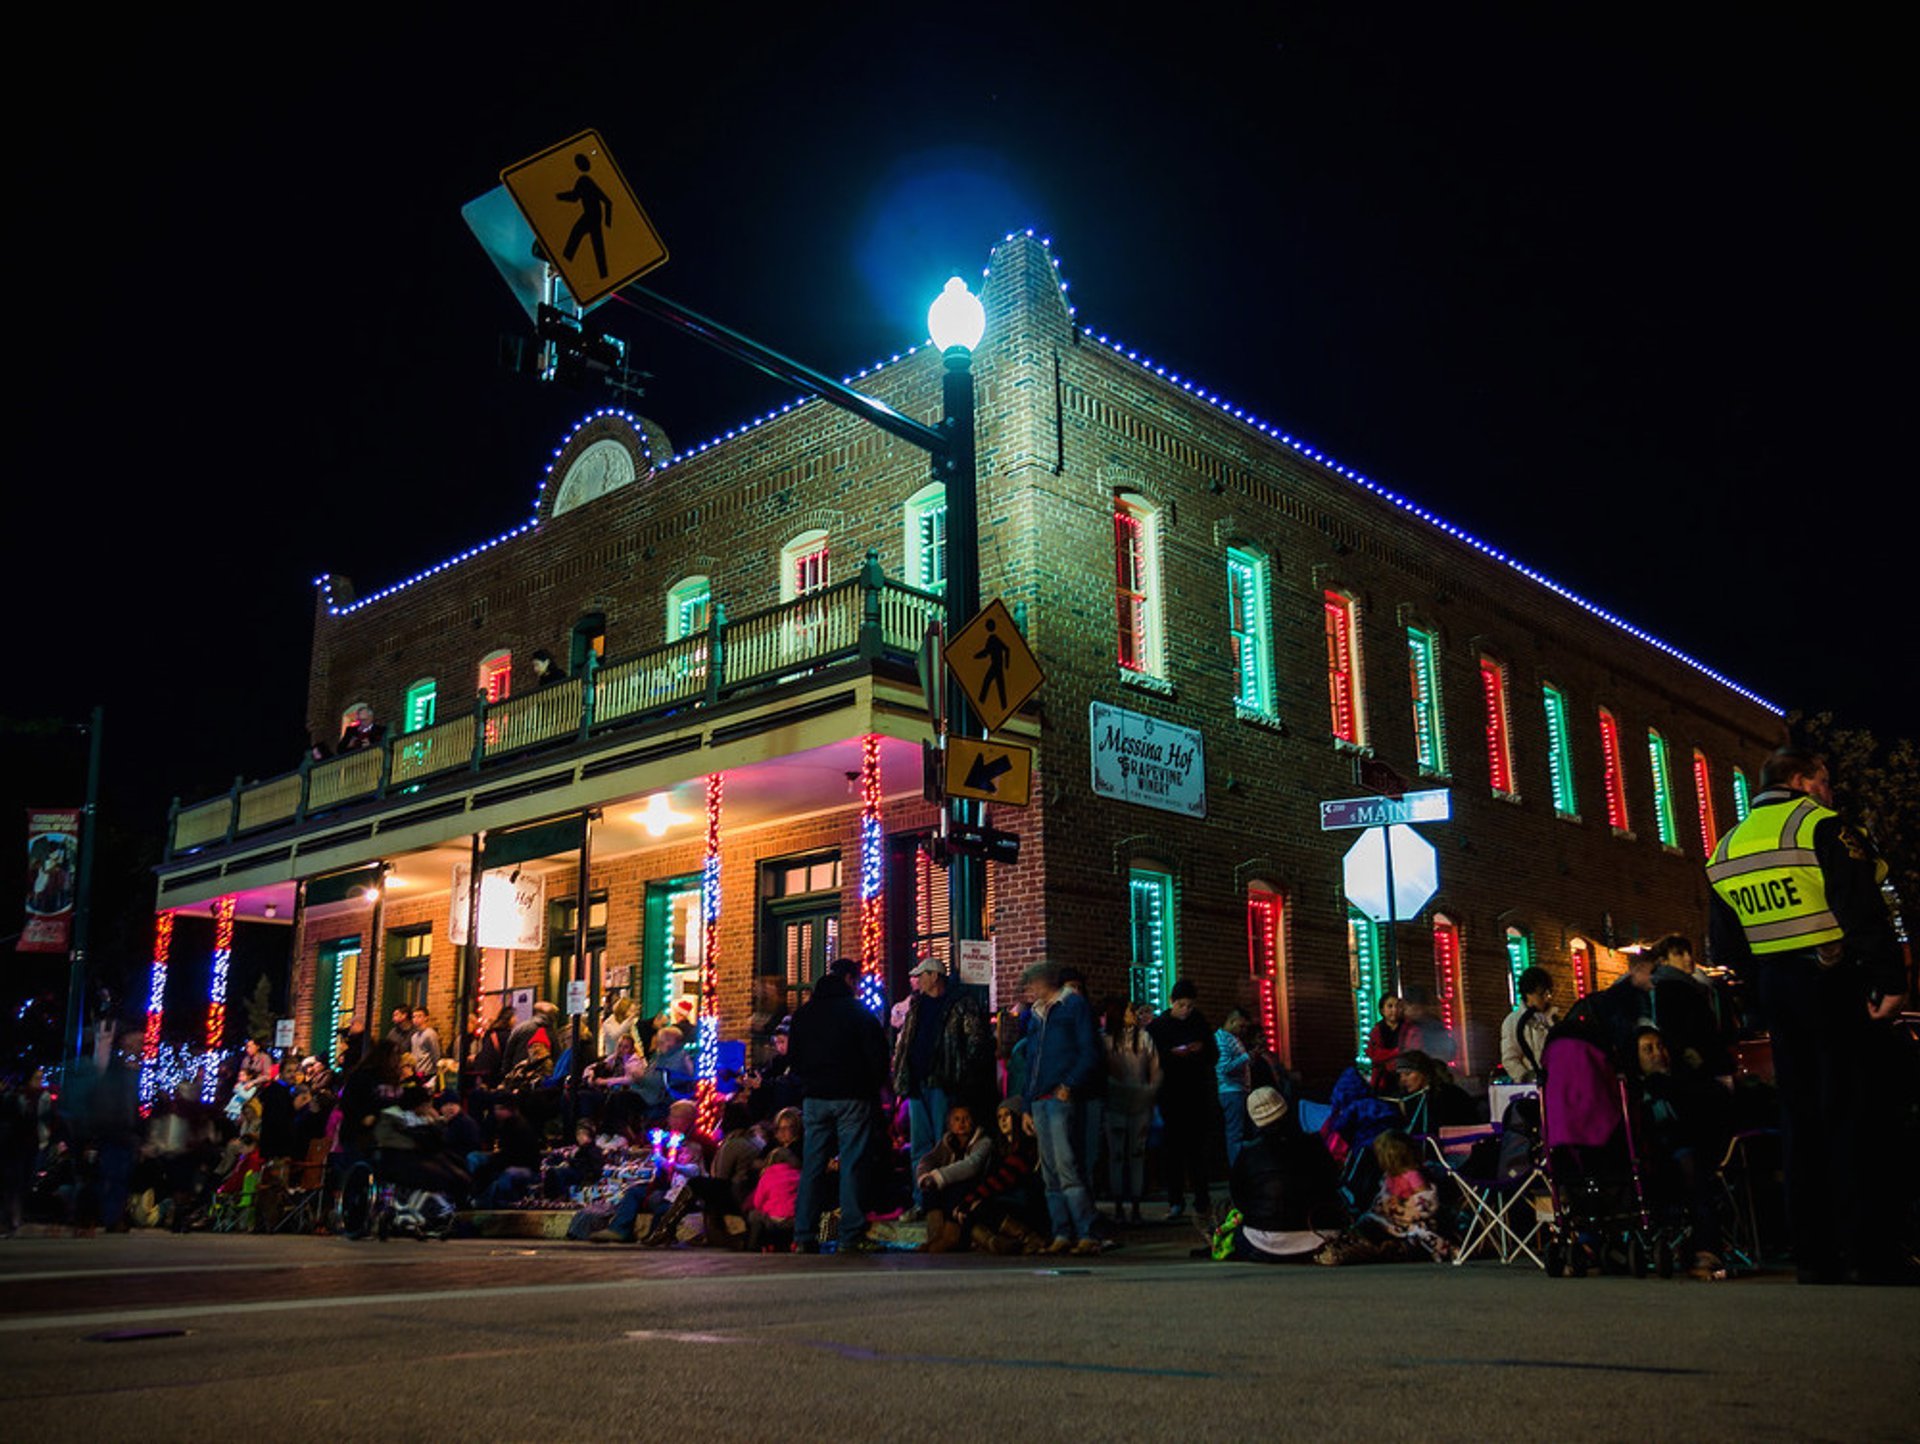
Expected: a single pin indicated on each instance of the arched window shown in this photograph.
(689, 606)
(1559, 754)
(1267, 962)
(1150, 906)
(420, 703)
(496, 675)
(1580, 951)
(1493, 686)
(1136, 584)
(1249, 632)
(356, 718)
(1344, 688)
(1703, 800)
(925, 546)
(1662, 791)
(803, 565)
(589, 640)
(803, 572)
(1615, 781)
(1450, 976)
(1519, 959)
(1741, 796)
(1429, 730)
(1364, 953)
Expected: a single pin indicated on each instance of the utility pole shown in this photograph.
(83, 903)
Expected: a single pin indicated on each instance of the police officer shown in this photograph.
(1797, 914)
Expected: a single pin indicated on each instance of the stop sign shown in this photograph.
(1416, 872)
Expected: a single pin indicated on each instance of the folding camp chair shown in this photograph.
(1500, 1216)
(233, 1212)
(306, 1191)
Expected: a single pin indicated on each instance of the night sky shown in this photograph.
(1616, 292)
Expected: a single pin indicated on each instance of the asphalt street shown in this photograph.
(149, 1336)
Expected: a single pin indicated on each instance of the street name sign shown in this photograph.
(979, 840)
(590, 226)
(989, 771)
(1415, 872)
(993, 665)
(1344, 812)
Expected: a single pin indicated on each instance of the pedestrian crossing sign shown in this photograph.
(993, 665)
(590, 227)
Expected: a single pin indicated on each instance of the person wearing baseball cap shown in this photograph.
(942, 1056)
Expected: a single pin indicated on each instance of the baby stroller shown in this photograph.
(411, 1213)
(1593, 1159)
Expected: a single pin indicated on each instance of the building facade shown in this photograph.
(727, 780)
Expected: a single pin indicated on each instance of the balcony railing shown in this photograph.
(867, 616)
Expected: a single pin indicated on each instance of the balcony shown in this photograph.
(858, 623)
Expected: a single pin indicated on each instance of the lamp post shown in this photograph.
(957, 321)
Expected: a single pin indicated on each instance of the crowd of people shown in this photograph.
(1044, 1128)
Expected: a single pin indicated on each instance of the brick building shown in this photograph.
(749, 609)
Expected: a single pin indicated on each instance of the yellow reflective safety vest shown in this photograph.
(1766, 871)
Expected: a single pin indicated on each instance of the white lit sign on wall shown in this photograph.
(512, 909)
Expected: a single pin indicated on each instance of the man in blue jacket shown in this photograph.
(1063, 1050)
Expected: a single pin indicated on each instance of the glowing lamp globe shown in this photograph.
(956, 318)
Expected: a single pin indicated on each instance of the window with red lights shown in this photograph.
(808, 569)
(1703, 796)
(1582, 955)
(1493, 685)
(1266, 962)
(1343, 669)
(804, 570)
(1615, 780)
(496, 675)
(1451, 985)
(1132, 585)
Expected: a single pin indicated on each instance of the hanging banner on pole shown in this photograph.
(53, 856)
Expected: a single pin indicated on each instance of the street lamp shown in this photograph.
(956, 321)
(956, 317)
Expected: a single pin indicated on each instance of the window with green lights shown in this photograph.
(1742, 802)
(689, 604)
(419, 708)
(1429, 733)
(1559, 753)
(1150, 901)
(1364, 952)
(1519, 959)
(1662, 790)
(1247, 629)
(925, 547)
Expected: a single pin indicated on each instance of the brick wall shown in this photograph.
(1063, 425)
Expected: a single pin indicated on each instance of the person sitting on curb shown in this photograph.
(1279, 1180)
(1005, 1212)
(948, 1172)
